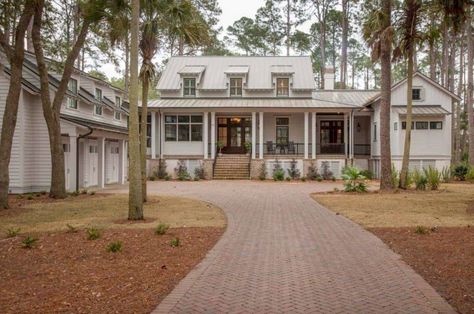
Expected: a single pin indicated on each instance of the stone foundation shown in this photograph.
(256, 168)
(207, 165)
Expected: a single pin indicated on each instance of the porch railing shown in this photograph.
(362, 149)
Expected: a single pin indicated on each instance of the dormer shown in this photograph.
(190, 78)
(236, 79)
(282, 79)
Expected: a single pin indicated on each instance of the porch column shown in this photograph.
(306, 115)
(162, 134)
(254, 134)
(213, 135)
(72, 165)
(313, 135)
(122, 161)
(205, 134)
(101, 151)
(260, 135)
(352, 136)
(153, 135)
(346, 134)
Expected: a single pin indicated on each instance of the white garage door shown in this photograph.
(93, 169)
(67, 165)
(112, 162)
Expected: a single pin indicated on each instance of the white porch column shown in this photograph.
(101, 151)
(73, 162)
(352, 136)
(153, 135)
(162, 134)
(260, 135)
(313, 135)
(205, 134)
(254, 135)
(346, 134)
(306, 115)
(122, 161)
(213, 135)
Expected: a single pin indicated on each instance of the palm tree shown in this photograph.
(378, 32)
(406, 48)
(150, 11)
(135, 201)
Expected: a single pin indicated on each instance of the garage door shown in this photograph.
(112, 162)
(93, 169)
(67, 165)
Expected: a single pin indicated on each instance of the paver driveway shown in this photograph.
(283, 252)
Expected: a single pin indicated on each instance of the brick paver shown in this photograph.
(284, 253)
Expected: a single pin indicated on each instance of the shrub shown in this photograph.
(12, 232)
(75, 193)
(92, 193)
(319, 178)
(313, 173)
(43, 192)
(181, 171)
(367, 174)
(395, 177)
(263, 172)
(470, 174)
(293, 171)
(152, 178)
(29, 196)
(248, 147)
(93, 233)
(421, 230)
(199, 173)
(19, 196)
(167, 177)
(420, 180)
(161, 172)
(161, 229)
(303, 179)
(278, 173)
(114, 247)
(71, 229)
(29, 242)
(446, 174)
(460, 171)
(288, 179)
(326, 173)
(175, 242)
(354, 181)
(433, 177)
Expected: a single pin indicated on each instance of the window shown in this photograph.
(436, 125)
(148, 128)
(72, 87)
(118, 101)
(375, 132)
(114, 150)
(66, 148)
(189, 88)
(235, 87)
(93, 149)
(98, 110)
(282, 130)
(183, 128)
(404, 125)
(416, 94)
(98, 94)
(117, 115)
(421, 125)
(282, 86)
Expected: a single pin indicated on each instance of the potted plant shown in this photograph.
(220, 146)
(248, 147)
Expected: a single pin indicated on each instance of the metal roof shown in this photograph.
(422, 110)
(244, 103)
(282, 69)
(237, 69)
(259, 71)
(192, 69)
(350, 97)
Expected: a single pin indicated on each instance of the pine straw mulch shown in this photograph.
(444, 258)
(65, 272)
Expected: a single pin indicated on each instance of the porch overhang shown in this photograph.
(422, 110)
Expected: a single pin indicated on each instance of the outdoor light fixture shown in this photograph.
(358, 127)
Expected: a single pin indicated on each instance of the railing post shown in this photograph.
(313, 135)
(306, 135)
(254, 134)
(205, 134)
(213, 135)
(260, 134)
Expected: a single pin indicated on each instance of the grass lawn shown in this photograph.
(444, 255)
(67, 272)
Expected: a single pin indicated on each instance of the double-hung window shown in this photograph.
(189, 87)
(416, 94)
(72, 87)
(98, 97)
(236, 87)
(282, 130)
(283, 86)
(118, 103)
(183, 128)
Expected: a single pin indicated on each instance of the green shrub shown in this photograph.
(303, 179)
(175, 242)
(278, 172)
(313, 173)
(19, 196)
(181, 171)
(470, 174)
(433, 177)
(92, 193)
(248, 147)
(152, 178)
(13, 232)
(367, 174)
(161, 229)
(114, 247)
(29, 196)
(460, 171)
(354, 181)
(167, 177)
(75, 193)
(326, 173)
(446, 174)
(319, 178)
(161, 172)
(395, 177)
(71, 229)
(293, 171)
(421, 230)
(93, 233)
(420, 180)
(29, 242)
(199, 173)
(263, 172)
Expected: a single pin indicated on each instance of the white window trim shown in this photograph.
(241, 86)
(119, 117)
(276, 86)
(101, 93)
(183, 123)
(195, 87)
(101, 111)
(422, 93)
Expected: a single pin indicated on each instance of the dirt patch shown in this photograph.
(67, 273)
(444, 258)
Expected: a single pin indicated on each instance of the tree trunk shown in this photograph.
(457, 156)
(432, 56)
(288, 27)
(445, 61)
(322, 30)
(127, 65)
(16, 57)
(181, 46)
(345, 31)
(452, 64)
(143, 132)
(469, 99)
(385, 102)
(135, 205)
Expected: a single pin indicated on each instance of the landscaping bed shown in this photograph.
(67, 271)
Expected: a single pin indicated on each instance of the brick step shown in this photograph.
(231, 178)
(238, 163)
(232, 174)
(231, 167)
(231, 171)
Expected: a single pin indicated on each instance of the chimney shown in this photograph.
(329, 74)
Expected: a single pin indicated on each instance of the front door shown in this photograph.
(233, 133)
(332, 137)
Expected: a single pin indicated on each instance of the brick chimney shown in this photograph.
(329, 75)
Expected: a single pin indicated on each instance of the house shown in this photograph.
(94, 131)
(215, 109)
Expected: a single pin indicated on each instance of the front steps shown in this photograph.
(232, 167)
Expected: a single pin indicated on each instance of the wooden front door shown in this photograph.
(332, 137)
(233, 133)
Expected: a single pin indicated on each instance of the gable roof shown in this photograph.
(350, 97)
(259, 71)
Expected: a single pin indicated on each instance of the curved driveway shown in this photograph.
(284, 253)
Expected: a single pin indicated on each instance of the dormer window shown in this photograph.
(416, 94)
(98, 94)
(98, 110)
(283, 86)
(118, 101)
(235, 87)
(189, 87)
(72, 87)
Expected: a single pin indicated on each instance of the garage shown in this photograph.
(112, 162)
(92, 174)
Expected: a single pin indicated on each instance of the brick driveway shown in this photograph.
(284, 253)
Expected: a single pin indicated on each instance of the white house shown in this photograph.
(94, 129)
(271, 103)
